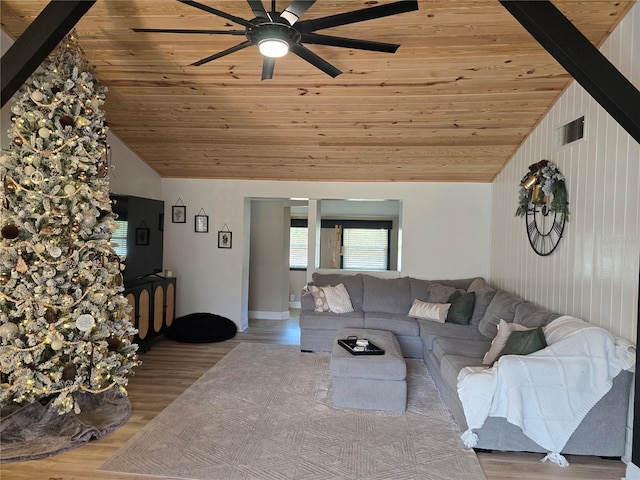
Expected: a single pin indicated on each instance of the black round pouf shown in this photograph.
(201, 328)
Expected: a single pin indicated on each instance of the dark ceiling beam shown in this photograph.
(590, 68)
(38, 41)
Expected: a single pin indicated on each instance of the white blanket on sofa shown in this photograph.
(547, 393)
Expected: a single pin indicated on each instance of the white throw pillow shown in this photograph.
(500, 340)
(338, 299)
(429, 311)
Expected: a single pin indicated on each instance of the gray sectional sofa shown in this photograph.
(446, 348)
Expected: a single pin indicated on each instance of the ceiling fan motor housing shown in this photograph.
(272, 30)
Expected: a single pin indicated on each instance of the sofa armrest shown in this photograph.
(306, 302)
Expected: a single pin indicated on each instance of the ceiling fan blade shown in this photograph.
(258, 9)
(318, 62)
(355, 16)
(295, 10)
(317, 39)
(235, 48)
(186, 30)
(267, 68)
(220, 13)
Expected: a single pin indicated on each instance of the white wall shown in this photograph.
(129, 174)
(269, 260)
(445, 233)
(594, 272)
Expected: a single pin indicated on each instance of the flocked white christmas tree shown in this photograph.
(64, 325)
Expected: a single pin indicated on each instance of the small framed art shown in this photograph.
(202, 223)
(178, 214)
(142, 236)
(224, 239)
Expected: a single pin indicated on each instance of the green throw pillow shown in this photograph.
(524, 342)
(461, 309)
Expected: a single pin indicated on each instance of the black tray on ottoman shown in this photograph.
(349, 344)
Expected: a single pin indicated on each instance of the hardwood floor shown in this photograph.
(170, 367)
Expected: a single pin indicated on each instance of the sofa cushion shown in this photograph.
(429, 311)
(454, 346)
(530, 315)
(524, 342)
(450, 366)
(430, 330)
(461, 307)
(353, 284)
(331, 321)
(458, 284)
(393, 322)
(390, 295)
(500, 340)
(502, 306)
(419, 289)
(439, 293)
(484, 295)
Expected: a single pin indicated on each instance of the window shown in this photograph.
(119, 238)
(365, 249)
(298, 244)
(365, 243)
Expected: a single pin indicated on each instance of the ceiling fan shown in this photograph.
(277, 33)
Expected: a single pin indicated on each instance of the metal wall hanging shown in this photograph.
(544, 203)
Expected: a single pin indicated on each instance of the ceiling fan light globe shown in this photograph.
(273, 47)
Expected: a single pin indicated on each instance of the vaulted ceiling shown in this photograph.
(465, 88)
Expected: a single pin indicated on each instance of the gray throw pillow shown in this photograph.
(440, 293)
(461, 307)
(524, 342)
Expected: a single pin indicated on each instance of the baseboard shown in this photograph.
(633, 472)
(297, 305)
(258, 315)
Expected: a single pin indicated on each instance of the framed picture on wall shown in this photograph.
(224, 239)
(202, 223)
(142, 236)
(178, 214)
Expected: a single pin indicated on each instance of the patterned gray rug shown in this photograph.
(264, 412)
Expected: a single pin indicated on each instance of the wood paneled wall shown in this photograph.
(594, 272)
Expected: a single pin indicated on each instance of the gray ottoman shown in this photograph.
(376, 382)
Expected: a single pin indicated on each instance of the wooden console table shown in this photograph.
(152, 301)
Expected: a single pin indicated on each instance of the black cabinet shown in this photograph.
(152, 301)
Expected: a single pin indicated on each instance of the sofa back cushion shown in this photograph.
(484, 295)
(502, 306)
(353, 284)
(530, 315)
(419, 289)
(387, 295)
(458, 283)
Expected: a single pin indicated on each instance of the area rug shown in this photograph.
(264, 412)
(37, 430)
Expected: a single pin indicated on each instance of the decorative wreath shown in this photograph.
(543, 181)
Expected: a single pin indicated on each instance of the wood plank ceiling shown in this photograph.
(464, 90)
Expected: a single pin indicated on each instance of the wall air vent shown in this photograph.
(570, 132)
